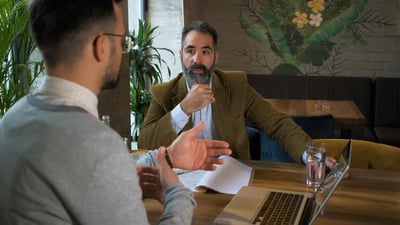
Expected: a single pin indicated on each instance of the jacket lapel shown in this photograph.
(180, 91)
(222, 98)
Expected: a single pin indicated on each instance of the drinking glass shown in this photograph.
(315, 165)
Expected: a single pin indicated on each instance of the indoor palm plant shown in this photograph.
(145, 71)
(305, 32)
(18, 72)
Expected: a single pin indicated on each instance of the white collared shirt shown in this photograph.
(59, 91)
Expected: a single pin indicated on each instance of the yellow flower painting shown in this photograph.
(302, 32)
(300, 19)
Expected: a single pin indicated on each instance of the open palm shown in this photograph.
(188, 152)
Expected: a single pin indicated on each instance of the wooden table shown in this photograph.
(367, 197)
(343, 111)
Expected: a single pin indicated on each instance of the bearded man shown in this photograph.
(223, 100)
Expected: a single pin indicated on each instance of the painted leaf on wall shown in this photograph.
(317, 53)
(278, 39)
(254, 30)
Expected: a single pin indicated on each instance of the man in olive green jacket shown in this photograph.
(223, 100)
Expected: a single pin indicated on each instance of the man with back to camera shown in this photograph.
(58, 163)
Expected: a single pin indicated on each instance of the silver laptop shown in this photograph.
(259, 205)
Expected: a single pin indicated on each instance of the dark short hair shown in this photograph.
(201, 27)
(61, 27)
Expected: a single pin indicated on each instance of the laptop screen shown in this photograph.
(331, 181)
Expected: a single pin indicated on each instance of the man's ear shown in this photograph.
(216, 57)
(101, 48)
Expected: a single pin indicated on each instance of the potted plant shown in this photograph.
(18, 72)
(145, 71)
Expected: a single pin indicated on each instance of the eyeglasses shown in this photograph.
(128, 41)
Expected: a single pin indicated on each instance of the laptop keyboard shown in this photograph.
(279, 208)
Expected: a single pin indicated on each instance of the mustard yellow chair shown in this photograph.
(366, 154)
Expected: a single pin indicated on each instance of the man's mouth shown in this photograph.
(198, 71)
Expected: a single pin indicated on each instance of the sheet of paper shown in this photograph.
(228, 178)
(191, 178)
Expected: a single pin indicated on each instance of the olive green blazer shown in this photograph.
(236, 103)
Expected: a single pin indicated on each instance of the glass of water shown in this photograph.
(315, 165)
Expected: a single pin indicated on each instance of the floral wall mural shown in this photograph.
(306, 37)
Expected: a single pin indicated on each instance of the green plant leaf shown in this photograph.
(282, 10)
(18, 72)
(145, 71)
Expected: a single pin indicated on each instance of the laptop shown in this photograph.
(260, 205)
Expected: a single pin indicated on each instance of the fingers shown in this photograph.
(206, 93)
(149, 169)
(149, 175)
(149, 187)
(212, 160)
(217, 148)
(202, 88)
(149, 180)
(209, 167)
(139, 170)
(161, 157)
(330, 162)
(217, 144)
(198, 97)
(215, 152)
(167, 175)
(152, 190)
(211, 163)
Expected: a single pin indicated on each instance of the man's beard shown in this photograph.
(196, 78)
(111, 79)
(110, 84)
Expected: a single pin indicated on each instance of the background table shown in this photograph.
(367, 197)
(343, 111)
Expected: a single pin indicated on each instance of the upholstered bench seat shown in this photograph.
(388, 135)
(366, 154)
(387, 110)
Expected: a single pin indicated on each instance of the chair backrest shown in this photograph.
(366, 154)
(319, 126)
(387, 102)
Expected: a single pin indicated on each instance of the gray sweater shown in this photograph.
(60, 165)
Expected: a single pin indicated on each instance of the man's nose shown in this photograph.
(197, 58)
